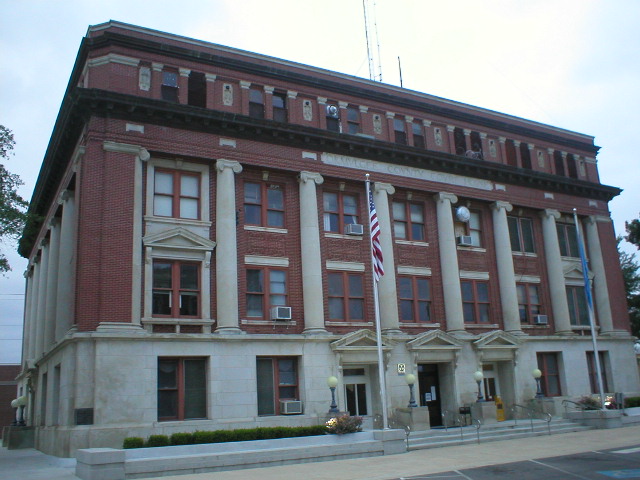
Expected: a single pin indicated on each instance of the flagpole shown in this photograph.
(589, 297)
(381, 370)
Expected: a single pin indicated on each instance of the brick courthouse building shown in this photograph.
(202, 259)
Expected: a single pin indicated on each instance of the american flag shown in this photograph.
(376, 249)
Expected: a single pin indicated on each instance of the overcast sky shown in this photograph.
(572, 64)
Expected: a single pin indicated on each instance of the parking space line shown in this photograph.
(559, 469)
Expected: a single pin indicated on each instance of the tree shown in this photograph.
(12, 206)
(633, 232)
(631, 274)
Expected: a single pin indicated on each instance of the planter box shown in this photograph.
(597, 418)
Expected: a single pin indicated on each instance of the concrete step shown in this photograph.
(439, 437)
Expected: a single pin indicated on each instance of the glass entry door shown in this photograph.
(356, 391)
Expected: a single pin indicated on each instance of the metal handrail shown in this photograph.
(531, 412)
(478, 425)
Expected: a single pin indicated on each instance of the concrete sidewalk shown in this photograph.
(32, 465)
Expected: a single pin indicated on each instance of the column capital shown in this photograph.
(210, 77)
(444, 196)
(305, 177)
(516, 143)
(408, 119)
(65, 195)
(322, 100)
(384, 187)
(184, 72)
(426, 123)
(343, 105)
(244, 84)
(497, 206)
(292, 94)
(483, 135)
(549, 212)
(221, 164)
(390, 114)
(502, 139)
(268, 89)
(466, 131)
(363, 109)
(451, 128)
(118, 147)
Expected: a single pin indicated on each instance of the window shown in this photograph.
(558, 162)
(264, 205)
(572, 168)
(176, 289)
(353, 120)
(415, 299)
(528, 301)
(548, 363)
(408, 221)
(340, 209)
(169, 88)
(176, 194)
(346, 296)
(197, 89)
(521, 234)
(333, 118)
(525, 155)
(476, 146)
(280, 107)
(475, 301)
(459, 141)
(266, 288)
(578, 310)
(510, 149)
(567, 239)
(418, 135)
(182, 388)
(472, 228)
(277, 379)
(256, 103)
(400, 132)
(593, 372)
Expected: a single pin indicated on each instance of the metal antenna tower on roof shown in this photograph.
(373, 59)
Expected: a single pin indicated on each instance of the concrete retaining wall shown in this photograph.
(113, 464)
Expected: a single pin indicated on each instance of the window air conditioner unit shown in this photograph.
(540, 320)
(290, 407)
(332, 111)
(465, 241)
(281, 313)
(353, 229)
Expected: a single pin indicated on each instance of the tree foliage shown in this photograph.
(12, 206)
(631, 275)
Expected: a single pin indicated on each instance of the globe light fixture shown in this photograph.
(411, 380)
(332, 382)
(478, 376)
(537, 374)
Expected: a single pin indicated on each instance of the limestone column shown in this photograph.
(66, 265)
(596, 265)
(33, 311)
(449, 262)
(387, 292)
(226, 247)
(559, 305)
(506, 274)
(42, 299)
(50, 320)
(26, 318)
(312, 294)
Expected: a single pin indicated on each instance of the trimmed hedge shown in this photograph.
(222, 436)
(632, 402)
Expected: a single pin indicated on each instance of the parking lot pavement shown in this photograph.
(593, 465)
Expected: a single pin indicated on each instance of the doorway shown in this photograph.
(356, 393)
(429, 387)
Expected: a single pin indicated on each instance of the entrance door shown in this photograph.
(490, 381)
(355, 390)
(429, 384)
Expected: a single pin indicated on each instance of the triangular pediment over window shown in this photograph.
(361, 347)
(435, 347)
(497, 346)
(178, 238)
(573, 271)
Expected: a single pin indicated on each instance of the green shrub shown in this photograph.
(158, 441)
(344, 424)
(204, 437)
(133, 442)
(181, 439)
(587, 402)
(632, 402)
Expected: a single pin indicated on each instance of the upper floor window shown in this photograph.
(558, 162)
(460, 141)
(256, 103)
(525, 155)
(264, 204)
(510, 149)
(169, 89)
(266, 288)
(399, 129)
(572, 167)
(353, 119)
(472, 229)
(567, 239)
(578, 310)
(521, 234)
(418, 135)
(176, 194)
(415, 299)
(176, 289)
(279, 101)
(340, 209)
(277, 379)
(182, 388)
(346, 296)
(476, 146)
(408, 221)
(528, 301)
(333, 118)
(197, 90)
(475, 301)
